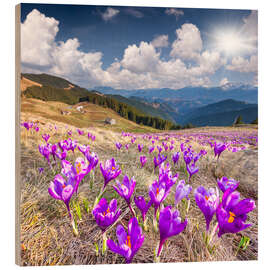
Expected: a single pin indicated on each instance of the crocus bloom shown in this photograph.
(188, 157)
(140, 147)
(232, 213)
(84, 148)
(219, 148)
(60, 189)
(106, 214)
(175, 157)
(52, 149)
(143, 160)
(192, 169)
(125, 189)
(78, 171)
(142, 205)
(159, 148)
(127, 146)
(118, 145)
(46, 137)
(169, 225)
(151, 149)
(110, 171)
(128, 243)
(80, 132)
(182, 191)
(92, 159)
(165, 175)
(45, 151)
(224, 183)
(159, 160)
(41, 170)
(61, 155)
(207, 201)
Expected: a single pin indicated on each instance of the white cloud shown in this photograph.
(250, 27)
(38, 38)
(188, 44)
(140, 59)
(134, 12)
(109, 13)
(173, 11)
(160, 41)
(223, 81)
(140, 67)
(242, 64)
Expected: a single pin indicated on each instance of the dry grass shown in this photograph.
(46, 234)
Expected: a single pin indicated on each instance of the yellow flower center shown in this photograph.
(128, 243)
(207, 198)
(63, 186)
(107, 211)
(231, 217)
(78, 167)
(157, 191)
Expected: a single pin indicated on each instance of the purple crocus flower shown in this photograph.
(140, 147)
(46, 137)
(125, 189)
(165, 175)
(128, 243)
(45, 151)
(60, 189)
(224, 184)
(143, 160)
(52, 149)
(84, 149)
(188, 157)
(192, 169)
(118, 145)
(159, 160)
(61, 155)
(127, 146)
(182, 191)
(41, 170)
(142, 205)
(80, 132)
(169, 225)
(175, 157)
(232, 213)
(110, 171)
(207, 201)
(159, 148)
(69, 133)
(92, 159)
(106, 214)
(78, 171)
(219, 148)
(151, 149)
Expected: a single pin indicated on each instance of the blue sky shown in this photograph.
(140, 47)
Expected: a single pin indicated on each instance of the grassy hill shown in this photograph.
(94, 115)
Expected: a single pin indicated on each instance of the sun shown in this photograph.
(230, 43)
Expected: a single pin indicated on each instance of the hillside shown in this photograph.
(93, 115)
(76, 94)
(225, 111)
(146, 107)
(225, 118)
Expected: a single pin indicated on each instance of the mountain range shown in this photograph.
(199, 106)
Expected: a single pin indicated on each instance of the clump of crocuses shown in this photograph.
(232, 213)
(128, 242)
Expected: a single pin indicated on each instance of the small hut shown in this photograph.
(110, 121)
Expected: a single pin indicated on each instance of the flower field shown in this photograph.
(95, 196)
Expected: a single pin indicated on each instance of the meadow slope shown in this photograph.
(46, 235)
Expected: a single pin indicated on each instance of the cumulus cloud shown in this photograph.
(188, 44)
(140, 67)
(242, 64)
(38, 39)
(134, 12)
(176, 12)
(109, 13)
(160, 41)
